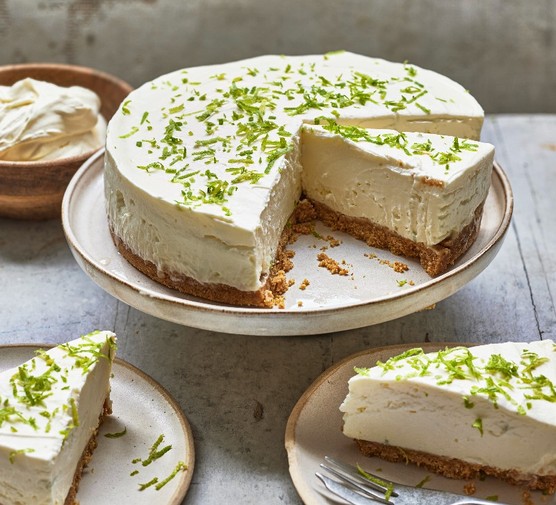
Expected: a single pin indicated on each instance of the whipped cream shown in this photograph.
(492, 413)
(42, 436)
(42, 121)
(203, 165)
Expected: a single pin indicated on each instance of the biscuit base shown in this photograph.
(456, 468)
(435, 260)
(86, 456)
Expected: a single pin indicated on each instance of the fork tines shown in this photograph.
(354, 484)
(358, 482)
(355, 474)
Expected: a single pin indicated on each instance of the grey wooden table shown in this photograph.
(237, 391)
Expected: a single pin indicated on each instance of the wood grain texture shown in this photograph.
(526, 146)
(223, 382)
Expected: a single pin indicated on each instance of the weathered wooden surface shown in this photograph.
(504, 51)
(238, 391)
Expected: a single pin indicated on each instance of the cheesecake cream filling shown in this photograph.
(493, 419)
(410, 194)
(42, 121)
(204, 165)
(41, 444)
(206, 248)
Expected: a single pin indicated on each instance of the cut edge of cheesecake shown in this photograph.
(267, 296)
(55, 428)
(435, 260)
(491, 407)
(87, 455)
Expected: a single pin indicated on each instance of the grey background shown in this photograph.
(503, 51)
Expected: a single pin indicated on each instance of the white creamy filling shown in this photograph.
(42, 471)
(233, 242)
(42, 121)
(419, 414)
(409, 194)
(463, 127)
(208, 249)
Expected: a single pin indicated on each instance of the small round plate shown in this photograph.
(314, 430)
(145, 410)
(371, 293)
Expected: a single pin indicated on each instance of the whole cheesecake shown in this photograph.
(462, 412)
(205, 166)
(50, 411)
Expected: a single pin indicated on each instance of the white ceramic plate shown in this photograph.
(314, 430)
(145, 410)
(370, 294)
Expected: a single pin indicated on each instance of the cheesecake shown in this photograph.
(461, 412)
(205, 166)
(50, 411)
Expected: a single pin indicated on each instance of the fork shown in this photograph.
(363, 488)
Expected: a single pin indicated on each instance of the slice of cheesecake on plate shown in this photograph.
(461, 412)
(50, 410)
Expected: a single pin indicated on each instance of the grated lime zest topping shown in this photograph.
(250, 111)
(31, 387)
(492, 379)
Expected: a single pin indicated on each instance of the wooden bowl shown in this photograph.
(34, 189)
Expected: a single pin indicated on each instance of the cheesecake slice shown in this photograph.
(50, 411)
(417, 194)
(461, 412)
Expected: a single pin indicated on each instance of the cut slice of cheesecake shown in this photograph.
(416, 194)
(462, 412)
(50, 411)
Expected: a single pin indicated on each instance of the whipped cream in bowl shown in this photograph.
(40, 120)
(52, 119)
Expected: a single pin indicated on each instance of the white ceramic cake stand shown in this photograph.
(371, 293)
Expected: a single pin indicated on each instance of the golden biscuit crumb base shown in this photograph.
(455, 468)
(470, 488)
(527, 498)
(86, 456)
(304, 284)
(331, 265)
(397, 266)
(435, 260)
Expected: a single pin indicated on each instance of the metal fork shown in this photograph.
(351, 485)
